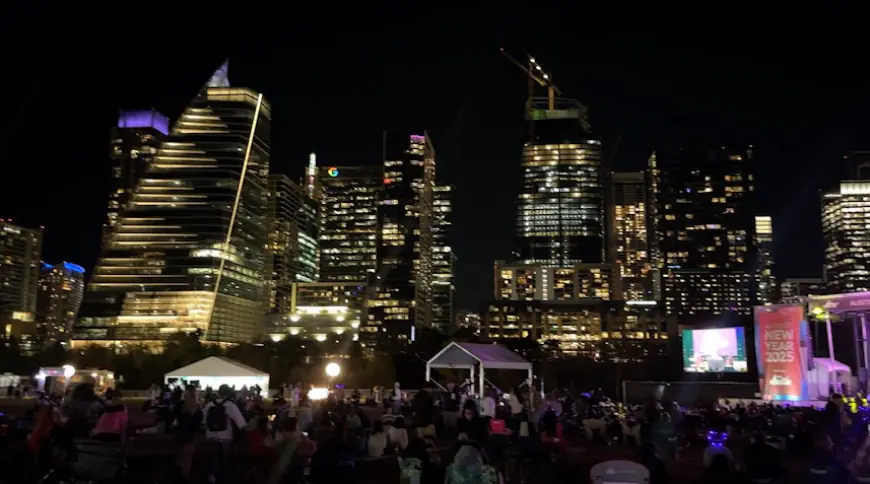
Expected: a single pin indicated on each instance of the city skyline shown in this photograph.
(464, 131)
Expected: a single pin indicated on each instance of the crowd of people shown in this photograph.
(441, 435)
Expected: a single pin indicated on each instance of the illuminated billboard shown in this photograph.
(720, 350)
(780, 336)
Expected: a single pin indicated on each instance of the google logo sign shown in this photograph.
(332, 171)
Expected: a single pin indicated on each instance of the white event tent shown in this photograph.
(484, 356)
(215, 371)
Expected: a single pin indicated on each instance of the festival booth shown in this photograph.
(215, 371)
(851, 309)
(827, 373)
(468, 356)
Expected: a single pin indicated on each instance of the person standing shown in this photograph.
(450, 407)
(219, 416)
(188, 414)
(487, 407)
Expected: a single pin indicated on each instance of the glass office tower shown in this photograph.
(188, 252)
(560, 210)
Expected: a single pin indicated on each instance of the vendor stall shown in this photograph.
(483, 356)
(215, 371)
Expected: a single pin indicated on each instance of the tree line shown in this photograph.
(295, 360)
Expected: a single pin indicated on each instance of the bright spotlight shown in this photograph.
(68, 371)
(333, 370)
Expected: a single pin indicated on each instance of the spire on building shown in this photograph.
(219, 78)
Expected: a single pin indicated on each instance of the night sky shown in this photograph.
(798, 94)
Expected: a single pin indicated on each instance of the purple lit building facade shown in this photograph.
(135, 141)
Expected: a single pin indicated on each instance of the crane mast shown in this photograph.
(537, 75)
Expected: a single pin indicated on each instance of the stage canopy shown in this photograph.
(215, 371)
(470, 355)
(853, 302)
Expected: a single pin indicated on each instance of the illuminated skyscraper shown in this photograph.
(653, 176)
(443, 259)
(560, 210)
(844, 228)
(135, 141)
(706, 228)
(20, 253)
(402, 298)
(61, 289)
(765, 282)
(631, 229)
(349, 222)
(292, 224)
(311, 176)
(188, 252)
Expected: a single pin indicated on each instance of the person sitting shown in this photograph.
(80, 411)
(658, 473)
(468, 467)
(719, 471)
(378, 441)
(293, 450)
(260, 443)
(397, 434)
(113, 424)
(716, 447)
(630, 431)
(594, 421)
(470, 427)
(763, 461)
(431, 470)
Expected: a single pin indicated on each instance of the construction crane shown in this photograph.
(536, 75)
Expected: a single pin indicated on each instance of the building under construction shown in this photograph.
(560, 211)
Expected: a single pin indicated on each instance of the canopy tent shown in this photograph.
(486, 357)
(828, 372)
(215, 371)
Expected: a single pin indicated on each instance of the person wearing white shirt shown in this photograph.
(220, 437)
(487, 408)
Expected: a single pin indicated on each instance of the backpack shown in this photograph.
(216, 420)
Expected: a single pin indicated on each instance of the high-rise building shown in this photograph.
(706, 231)
(324, 311)
(655, 254)
(765, 282)
(402, 289)
(349, 222)
(443, 259)
(631, 228)
(20, 253)
(846, 237)
(539, 283)
(135, 141)
(61, 289)
(188, 252)
(292, 225)
(858, 165)
(560, 210)
(603, 330)
(797, 289)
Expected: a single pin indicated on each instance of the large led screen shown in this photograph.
(721, 350)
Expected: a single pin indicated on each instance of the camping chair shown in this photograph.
(98, 461)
